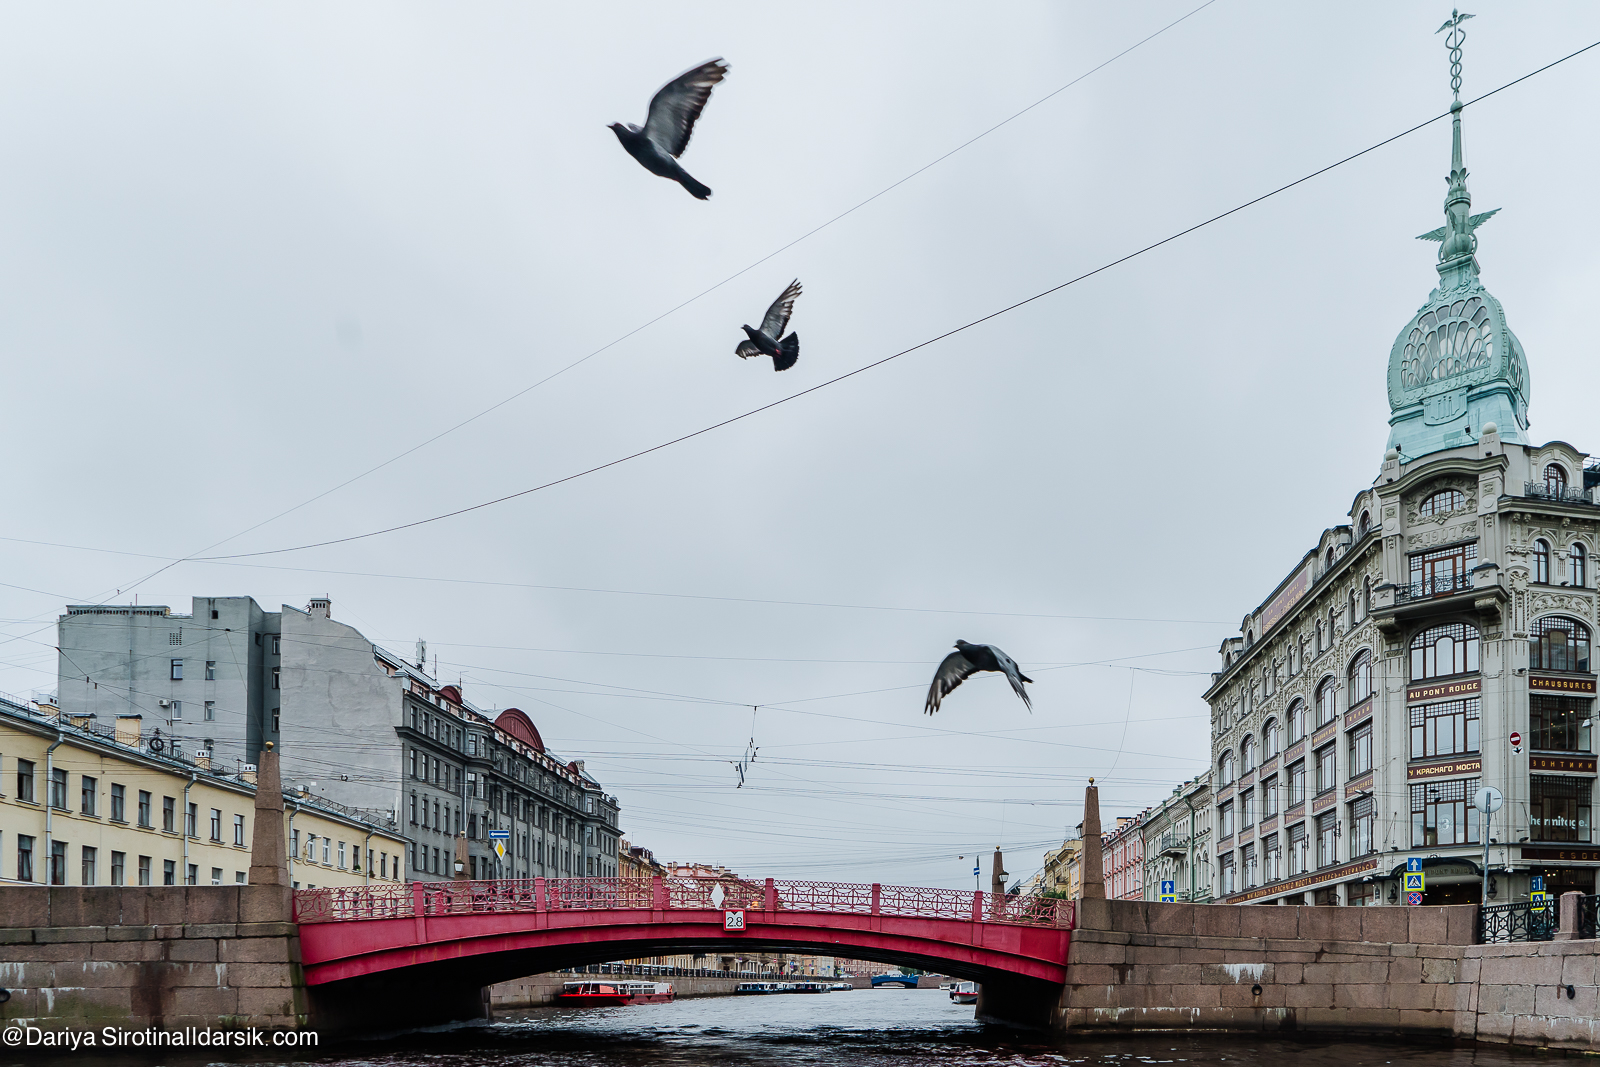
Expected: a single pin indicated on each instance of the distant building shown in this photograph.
(355, 724)
(1177, 842)
(87, 802)
(1123, 850)
(1062, 873)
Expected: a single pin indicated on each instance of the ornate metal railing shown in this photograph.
(1566, 494)
(1524, 921)
(1442, 585)
(400, 900)
(1586, 917)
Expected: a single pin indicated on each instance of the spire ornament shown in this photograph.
(1458, 244)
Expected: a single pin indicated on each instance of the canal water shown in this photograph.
(885, 1027)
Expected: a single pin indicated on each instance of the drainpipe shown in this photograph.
(1187, 801)
(49, 806)
(186, 787)
(366, 872)
(291, 851)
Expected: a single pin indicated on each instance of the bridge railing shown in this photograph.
(394, 900)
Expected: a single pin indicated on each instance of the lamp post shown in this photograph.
(1488, 799)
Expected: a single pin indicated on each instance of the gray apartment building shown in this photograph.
(353, 723)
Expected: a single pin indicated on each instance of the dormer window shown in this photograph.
(1555, 481)
(1365, 526)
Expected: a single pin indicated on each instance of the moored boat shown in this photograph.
(755, 988)
(812, 987)
(613, 994)
(965, 993)
(840, 987)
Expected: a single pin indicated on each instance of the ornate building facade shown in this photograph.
(1177, 842)
(1435, 642)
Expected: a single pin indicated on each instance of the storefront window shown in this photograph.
(1439, 814)
(1559, 809)
(1559, 724)
(1446, 729)
(1558, 644)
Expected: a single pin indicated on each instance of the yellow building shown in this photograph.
(82, 803)
(1063, 872)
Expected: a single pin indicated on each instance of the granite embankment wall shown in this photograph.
(1147, 966)
(143, 956)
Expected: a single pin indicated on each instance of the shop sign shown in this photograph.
(1286, 599)
(1324, 802)
(1323, 734)
(1562, 764)
(1359, 714)
(1339, 874)
(1450, 769)
(1359, 786)
(1561, 853)
(1445, 690)
(1568, 684)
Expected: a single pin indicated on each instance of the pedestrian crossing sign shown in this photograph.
(1169, 892)
(1539, 899)
(1414, 881)
(500, 849)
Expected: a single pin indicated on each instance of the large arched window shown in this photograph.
(1360, 678)
(1297, 721)
(1269, 739)
(1325, 702)
(1441, 651)
(1247, 755)
(1225, 770)
(1555, 481)
(1443, 501)
(1541, 562)
(1557, 643)
(1577, 566)
(1365, 526)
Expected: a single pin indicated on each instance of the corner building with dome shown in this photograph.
(1437, 642)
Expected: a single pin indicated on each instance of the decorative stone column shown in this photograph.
(268, 857)
(1093, 863)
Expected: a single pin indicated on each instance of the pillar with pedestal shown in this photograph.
(268, 857)
(1093, 862)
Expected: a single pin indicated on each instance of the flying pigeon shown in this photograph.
(766, 341)
(666, 131)
(967, 660)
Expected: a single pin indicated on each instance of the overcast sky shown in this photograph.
(249, 251)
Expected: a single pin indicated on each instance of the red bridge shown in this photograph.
(366, 944)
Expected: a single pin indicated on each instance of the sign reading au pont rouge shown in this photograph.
(1444, 690)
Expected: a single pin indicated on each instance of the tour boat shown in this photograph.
(965, 993)
(611, 994)
(756, 988)
(811, 987)
(840, 987)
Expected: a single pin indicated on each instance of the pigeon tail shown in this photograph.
(696, 189)
(788, 352)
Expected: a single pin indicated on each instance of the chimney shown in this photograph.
(128, 730)
(322, 607)
(202, 759)
(578, 765)
(248, 773)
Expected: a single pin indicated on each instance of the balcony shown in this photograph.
(1174, 845)
(1565, 494)
(1429, 588)
(1394, 605)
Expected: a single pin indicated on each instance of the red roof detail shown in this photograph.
(515, 723)
(451, 693)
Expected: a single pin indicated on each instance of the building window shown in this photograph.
(238, 829)
(1299, 850)
(1272, 851)
(1555, 481)
(1247, 805)
(24, 858)
(211, 670)
(191, 820)
(58, 789)
(413, 809)
(327, 850)
(1327, 839)
(1269, 797)
(1442, 651)
(89, 796)
(144, 870)
(1361, 749)
(1247, 755)
(1225, 819)
(25, 780)
(1541, 562)
(1557, 643)
(1558, 724)
(1297, 783)
(294, 843)
(1364, 527)
(1324, 757)
(216, 825)
(1362, 821)
(1297, 721)
(192, 876)
(216, 876)
(1269, 739)
(1325, 703)
(1442, 502)
(119, 866)
(211, 711)
(341, 855)
(276, 678)
(1439, 814)
(58, 863)
(1577, 572)
(90, 860)
(1228, 874)
(1559, 809)
(144, 809)
(177, 670)
(1443, 571)
(119, 804)
(1360, 679)
(169, 815)
(1446, 729)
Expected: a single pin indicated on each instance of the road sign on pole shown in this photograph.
(499, 835)
(1540, 900)
(733, 919)
(1413, 898)
(1415, 883)
(1538, 883)
(1169, 891)
(1414, 864)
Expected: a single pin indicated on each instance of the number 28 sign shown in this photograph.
(733, 920)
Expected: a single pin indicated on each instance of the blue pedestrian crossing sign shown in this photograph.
(1538, 883)
(1169, 892)
(1414, 864)
(1414, 882)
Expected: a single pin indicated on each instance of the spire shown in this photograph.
(1458, 244)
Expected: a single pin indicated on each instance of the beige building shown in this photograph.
(1062, 870)
(82, 803)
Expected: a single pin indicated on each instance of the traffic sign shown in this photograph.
(499, 835)
(1539, 900)
(1169, 892)
(1413, 898)
(733, 920)
(1414, 864)
(1414, 882)
(500, 849)
(974, 871)
(1516, 738)
(1538, 883)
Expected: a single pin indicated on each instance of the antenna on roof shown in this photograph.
(742, 764)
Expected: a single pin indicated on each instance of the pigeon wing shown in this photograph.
(777, 319)
(674, 109)
(955, 669)
(746, 349)
(1013, 675)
